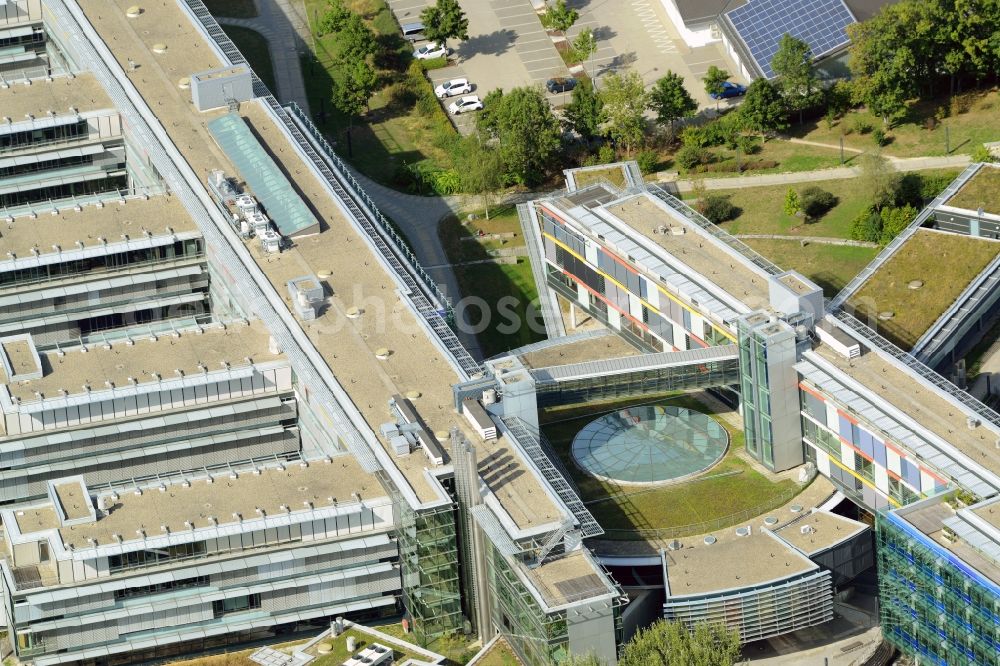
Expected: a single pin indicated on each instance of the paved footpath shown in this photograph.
(283, 25)
(762, 180)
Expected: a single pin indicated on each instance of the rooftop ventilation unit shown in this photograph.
(744, 531)
(709, 540)
(674, 545)
(806, 529)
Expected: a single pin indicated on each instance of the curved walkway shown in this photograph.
(838, 173)
(282, 26)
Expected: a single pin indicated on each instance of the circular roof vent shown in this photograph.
(709, 540)
(770, 520)
(795, 508)
(382, 353)
(159, 48)
(915, 284)
(133, 11)
(742, 531)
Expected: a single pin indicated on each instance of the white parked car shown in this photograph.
(430, 51)
(453, 87)
(467, 103)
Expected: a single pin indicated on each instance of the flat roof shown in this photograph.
(74, 499)
(692, 249)
(145, 357)
(569, 578)
(925, 406)
(134, 217)
(943, 264)
(751, 560)
(19, 355)
(357, 278)
(36, 519)
(932, 518)
(983, 189)
(796, 284)
(579, 351)
(826, 530)
(319, 483)
(82, 92)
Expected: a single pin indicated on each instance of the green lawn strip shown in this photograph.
(728, 488)
(254, 48)
(911, 138)
(392, 136)
(232, 8)
(788, 156)
(829, 266)
(982, 190)
(945, 263)
(614, 175)
(499, 655)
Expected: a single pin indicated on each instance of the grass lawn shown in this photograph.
(789, 157)
(614, 175)
(232, 8)
(500, 655)
(493, 281)
(829, 266)
(253, 46)
(728, 488)
(982, 190)
(762, 210)
(946, 263)
(391, 136)
(910, 138)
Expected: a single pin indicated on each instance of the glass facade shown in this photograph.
(754, 395)
(933, 606)
(428, 553)
(538, 638)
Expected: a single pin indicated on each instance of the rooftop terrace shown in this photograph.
(356, 278)
(145, 359)
(983, 189)
(692, 249)
(81, 92)
(921, 404)
(133, 218)
(915, 286)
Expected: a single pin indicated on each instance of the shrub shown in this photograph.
(648, 160)
(867, 226)
(433, 63)
(930, 123)
(830, 118)
(401, 96)
(894, 220)
(606, 154)
(749, 145)
(792, 205)
(862, 125)
(982, 154)
(691, 156)
(718, 208)
(941, 113)
(880, 137)
(816, 202)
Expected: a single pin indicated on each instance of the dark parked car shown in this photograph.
(560, 85)
(730, 89)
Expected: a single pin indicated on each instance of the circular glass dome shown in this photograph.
(650, 444)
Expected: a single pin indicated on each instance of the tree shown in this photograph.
(526, 133)
(715, 79)
(718, 208)
(666, 643)
(792, 205)
(559, 16)
(584, 46)
(352, 92)
(879, 180)
(624, 97)
(670, 100)
(480, 169)
(883, 67)
(445, 20)
(583, 113)
(763, 110)
(792, 62)
(816, 202)
(334, 19)
(355, 40)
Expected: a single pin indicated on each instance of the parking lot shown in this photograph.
(508, 48)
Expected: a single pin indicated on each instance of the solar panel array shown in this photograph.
(819, 23)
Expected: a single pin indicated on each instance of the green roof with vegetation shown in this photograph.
(614, 174)
(942, 263)
(983, 189)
